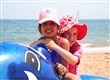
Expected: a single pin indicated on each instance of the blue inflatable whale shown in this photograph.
(20, 62)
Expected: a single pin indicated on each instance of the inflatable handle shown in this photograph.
(42, 49)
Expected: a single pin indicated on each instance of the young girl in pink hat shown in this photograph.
(73, 31)
(48, 27)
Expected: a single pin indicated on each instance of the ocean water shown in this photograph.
(25, 31)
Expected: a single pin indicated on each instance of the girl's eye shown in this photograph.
(74, 34)
(52, 24)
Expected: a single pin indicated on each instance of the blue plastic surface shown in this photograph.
(91, 77)
(19, 62)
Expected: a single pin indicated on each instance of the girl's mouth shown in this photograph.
(48, 31)
(72, 42)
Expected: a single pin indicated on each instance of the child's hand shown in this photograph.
(49, 43)
(61, 69)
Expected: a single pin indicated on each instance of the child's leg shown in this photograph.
(70, 76)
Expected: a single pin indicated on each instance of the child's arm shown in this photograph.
(63, 50)
(69, 57)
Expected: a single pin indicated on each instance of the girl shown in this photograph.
(73, 31)
(48, 27)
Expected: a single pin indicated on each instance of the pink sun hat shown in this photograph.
(68, 22)
(48, 14)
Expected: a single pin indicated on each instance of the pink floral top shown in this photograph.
(76, 50)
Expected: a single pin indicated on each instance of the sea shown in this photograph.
(26, 31)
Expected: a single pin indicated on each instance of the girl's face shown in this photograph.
(71, 35)
(49, 29)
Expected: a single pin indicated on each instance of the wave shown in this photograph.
(84, 45)
(90, 48)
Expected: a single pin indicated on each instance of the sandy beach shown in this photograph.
(95, 64)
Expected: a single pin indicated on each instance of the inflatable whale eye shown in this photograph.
(19, 62)
(32, 59)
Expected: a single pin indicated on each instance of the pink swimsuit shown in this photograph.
(76, 50)
(55, 57)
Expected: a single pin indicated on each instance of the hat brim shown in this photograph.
(49, 19)
(82, 31)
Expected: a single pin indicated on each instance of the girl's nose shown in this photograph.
(71, 38)
(48, 26)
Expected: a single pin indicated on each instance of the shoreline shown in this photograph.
(89, 48)
(97, 64)
(96, 49)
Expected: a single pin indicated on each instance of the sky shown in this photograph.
(29, 9)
